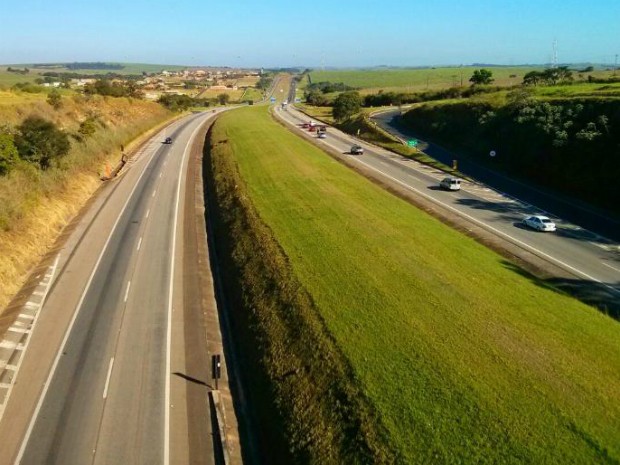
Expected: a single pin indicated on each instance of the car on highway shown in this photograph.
(357, 150)
(322, 135)
(450, 184)
(168, 140)
(539, 223)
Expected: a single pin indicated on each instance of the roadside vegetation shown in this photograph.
(379, 335)
(53, 150)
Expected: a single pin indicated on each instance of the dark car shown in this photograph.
(168, 140)
(357, 150)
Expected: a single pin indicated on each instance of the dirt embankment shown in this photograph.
(307, 405)
(36, 205)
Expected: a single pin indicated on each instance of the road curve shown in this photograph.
(591, 259)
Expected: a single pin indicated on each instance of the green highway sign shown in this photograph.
(412, 143)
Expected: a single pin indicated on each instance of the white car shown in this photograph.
(451, 184)
(539, 223)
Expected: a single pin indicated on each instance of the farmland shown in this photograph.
(464, 357)
(418, 80)
(413, 80)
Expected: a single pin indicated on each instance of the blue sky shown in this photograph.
(330, 33)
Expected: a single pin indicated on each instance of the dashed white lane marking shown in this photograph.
(154, 192)
(160, 174)
(107, 380)
(148, 212)
(612, 267)
(46, 385)
(127, 290)
(139, 244)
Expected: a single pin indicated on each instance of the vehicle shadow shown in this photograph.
(434, 188)
(597, 295)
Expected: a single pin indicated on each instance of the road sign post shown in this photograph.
(216, 369)
(412, 143)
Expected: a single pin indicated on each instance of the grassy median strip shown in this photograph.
(464, 357)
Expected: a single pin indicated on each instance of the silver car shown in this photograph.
(539, 223)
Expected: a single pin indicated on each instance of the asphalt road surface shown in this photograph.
(567, 208)
(95, 383)
(593, 261)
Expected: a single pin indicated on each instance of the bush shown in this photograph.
(8, 153)
(54, 99)
(40, 141)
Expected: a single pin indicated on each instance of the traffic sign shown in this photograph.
(412, 143)
(273, 99)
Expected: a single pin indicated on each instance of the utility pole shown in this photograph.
(554, 61)
(616, 64)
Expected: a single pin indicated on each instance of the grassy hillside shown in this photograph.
(35, 204)
(464, 358)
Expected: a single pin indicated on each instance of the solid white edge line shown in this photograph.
(481, 223)
(48, 381)
(107, 379)
(127, 291)
(170, 295)
(496, 231)
(612, 267)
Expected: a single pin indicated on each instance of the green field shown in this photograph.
(9, 79)
(129, 68)
(412, 80)
(416, 80)
(466, 358)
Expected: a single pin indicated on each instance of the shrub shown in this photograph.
(40, 141)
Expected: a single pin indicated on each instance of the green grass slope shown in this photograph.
(465, 358)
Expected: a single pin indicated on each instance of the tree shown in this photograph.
(54, 99)
(481, 77)
(346, 105)
(8, 153)
(532, 78)
(316, 98)
(223, 99)
(40, 141)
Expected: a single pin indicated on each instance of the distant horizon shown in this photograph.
(316, 67)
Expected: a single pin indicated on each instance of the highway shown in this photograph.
(111, 361)
(588, 260)
(567, 208)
